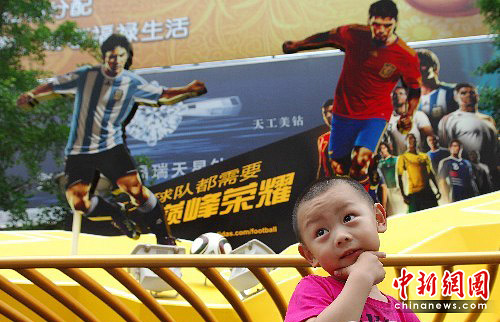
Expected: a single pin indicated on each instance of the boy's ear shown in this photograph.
(381, 217)
(306, 253)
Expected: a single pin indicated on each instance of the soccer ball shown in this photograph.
(211, 243)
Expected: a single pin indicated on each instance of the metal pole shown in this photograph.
(77, 225)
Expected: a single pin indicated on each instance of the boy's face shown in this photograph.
(115, 60)
(337, 226)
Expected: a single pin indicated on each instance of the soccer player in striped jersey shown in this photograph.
(437, 97)
(375, 60)
(104, 97)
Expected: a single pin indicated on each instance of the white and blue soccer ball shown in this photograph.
(211, 243)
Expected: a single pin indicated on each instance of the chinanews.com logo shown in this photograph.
(455, 283)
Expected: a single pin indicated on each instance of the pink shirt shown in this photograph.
(314, 293)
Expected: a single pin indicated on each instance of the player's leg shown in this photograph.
(360, 164)
(78, 197)
(369, 133)
(147, 205)
(120, 168)
(80, 170)
(342, 137)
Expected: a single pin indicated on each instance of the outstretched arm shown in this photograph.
(316, 41)
(40, 93)
(174, 95)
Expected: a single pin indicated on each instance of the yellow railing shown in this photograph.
(207, 264)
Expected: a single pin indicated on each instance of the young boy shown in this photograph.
(337, 225)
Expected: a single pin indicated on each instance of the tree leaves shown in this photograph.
(28, 137)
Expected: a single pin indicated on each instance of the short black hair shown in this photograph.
(327, 103)
(410, 134)
(386, 144)
(114, 41)
(383, 8)
(462, 85)
(318, 188)
(457, 141)
(428, 58)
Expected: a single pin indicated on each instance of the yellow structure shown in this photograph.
(95, 286)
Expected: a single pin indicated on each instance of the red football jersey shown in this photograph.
(323, 141)
(370, 73)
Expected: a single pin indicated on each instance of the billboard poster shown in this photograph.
(262, 114)
(186, 32)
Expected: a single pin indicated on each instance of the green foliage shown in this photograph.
(28, 137)
(490, 97)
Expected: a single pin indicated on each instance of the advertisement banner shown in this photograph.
(251, 104)
(175, 32)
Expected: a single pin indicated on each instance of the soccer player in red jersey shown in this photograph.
(375, 60)
(324, 166)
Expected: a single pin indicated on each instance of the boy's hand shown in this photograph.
(367, 264)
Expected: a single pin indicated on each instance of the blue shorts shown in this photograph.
(348, 133)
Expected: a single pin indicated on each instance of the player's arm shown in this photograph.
(445, 189)
(406, 120)
(319, 144)
(384, 195)
(413, 99)
(405, 197)
(384, 190)
(433, 178)
(174, 95)
(319, 40)
(42, 92)
(400, 168)
(475, 188)
(443, 185)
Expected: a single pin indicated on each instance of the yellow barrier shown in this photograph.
(207, 264)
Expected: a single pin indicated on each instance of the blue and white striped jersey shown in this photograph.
(101, 105)
(438, 103)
